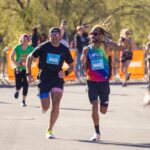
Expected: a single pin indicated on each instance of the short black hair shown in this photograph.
(64, 22)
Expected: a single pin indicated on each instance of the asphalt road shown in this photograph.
(126, 126)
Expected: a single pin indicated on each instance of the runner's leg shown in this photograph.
(56, 95)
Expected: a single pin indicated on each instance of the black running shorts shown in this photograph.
(99, 90)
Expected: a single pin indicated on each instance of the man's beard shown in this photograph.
(95, 41)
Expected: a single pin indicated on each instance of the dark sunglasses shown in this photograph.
(54, 34)
(94, 33)
(127, 33)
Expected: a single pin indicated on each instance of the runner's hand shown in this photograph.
(30, 78)
(125, 43)
(17, 64)
(61, 74)
(83, 59)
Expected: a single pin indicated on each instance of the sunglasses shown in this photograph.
(55, 34)
(127, 33)
(94, 33)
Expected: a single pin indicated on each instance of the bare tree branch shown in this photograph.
(90, 6)
(10, 8)
(135, 14)
(20, 4)
(120, 8)
(45, 3)
(28, 3)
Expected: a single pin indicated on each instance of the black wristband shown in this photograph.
(27, 74)
(66, 73)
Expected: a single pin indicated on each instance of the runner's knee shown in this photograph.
(103, 110)
(45, 108)
(45, 102)
(55, 109)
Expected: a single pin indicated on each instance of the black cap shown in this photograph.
(54, 30)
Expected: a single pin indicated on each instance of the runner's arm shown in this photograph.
(70, 68)
(114, 46)
(84, 58)
(12, 58)
(133, 45)
(29, 60)
(62, 73)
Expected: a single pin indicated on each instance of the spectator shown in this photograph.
(147, 52)
(35, 37)
(4, 61)
(63, 27)
(64, 39)
(81, 42)
(43, 37)
(85, 33)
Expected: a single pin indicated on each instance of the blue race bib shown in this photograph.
(53, 59)
(97, 64)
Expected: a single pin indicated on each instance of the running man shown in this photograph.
(95, 61)
(52, 55)
(21, 51)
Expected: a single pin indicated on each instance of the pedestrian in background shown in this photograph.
(80, 42)
(43, 38)
(35, 37)
(85, 33)
(64, 35)
(147, 59)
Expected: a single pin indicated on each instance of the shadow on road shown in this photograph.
(75, 92)
(119, 94)
(81, 109)
(1, 102)
(138, 145)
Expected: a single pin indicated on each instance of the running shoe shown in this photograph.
(128, 77)
(44, 111)
(49, 134)
(23, 104)
(124, 84)
(95, 138)
(16, 95)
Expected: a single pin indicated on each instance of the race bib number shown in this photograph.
(53, 59)
(23, 59)
(97, 64)
(23, 62)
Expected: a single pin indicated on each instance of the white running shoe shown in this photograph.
(44, 111)
(95, 137)
(49, 135)
(23, 104)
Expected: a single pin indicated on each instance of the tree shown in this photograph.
(19, 16)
